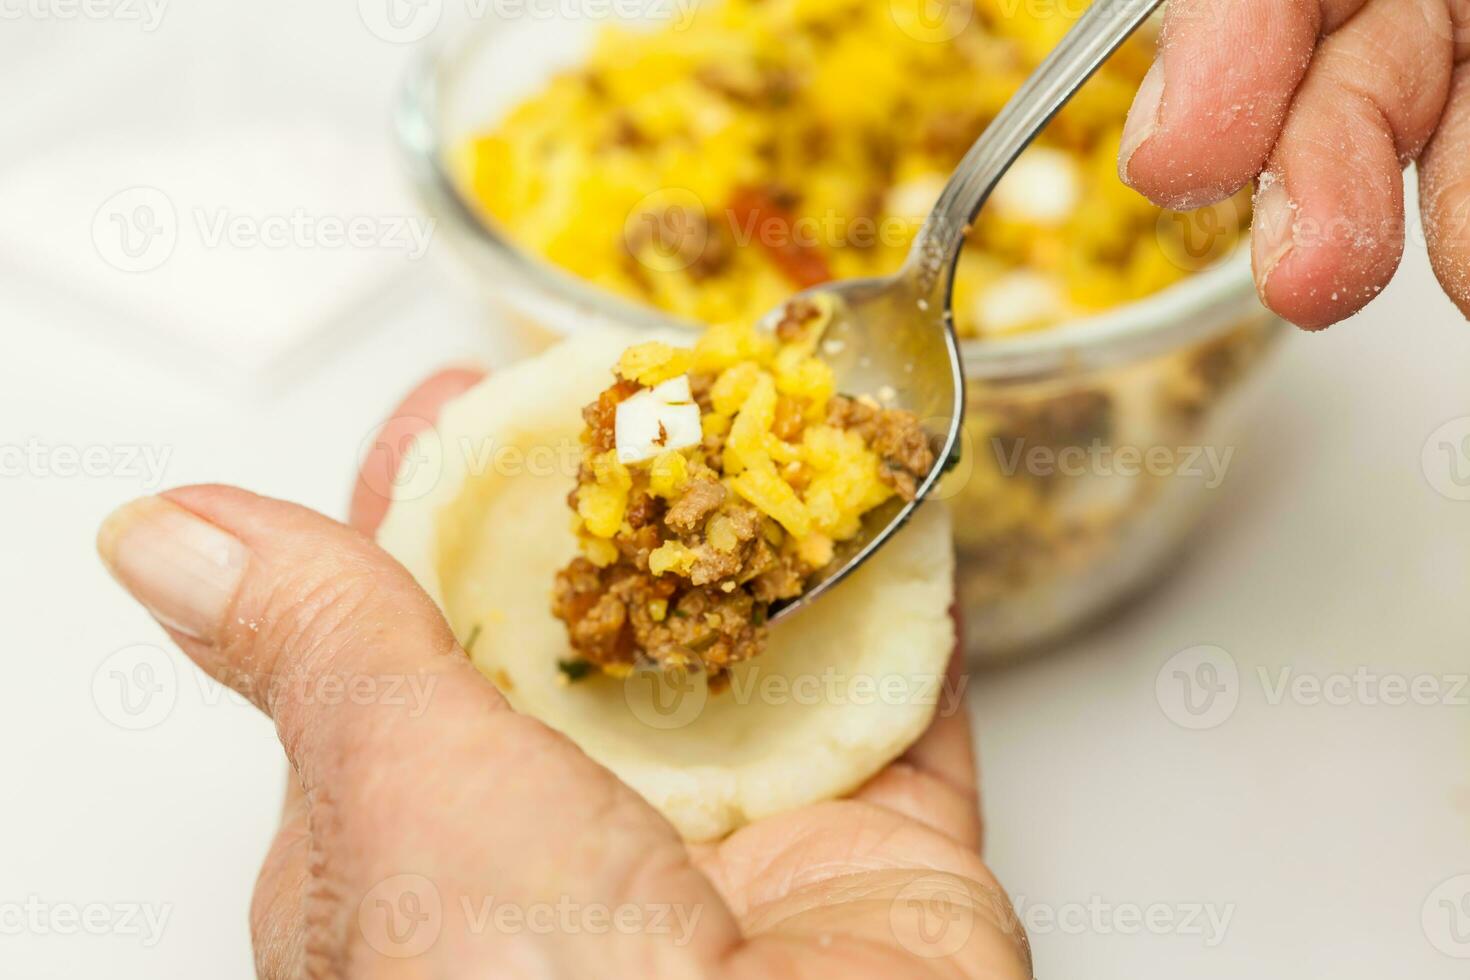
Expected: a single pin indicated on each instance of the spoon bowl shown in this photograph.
(894, 337)
(888, 340)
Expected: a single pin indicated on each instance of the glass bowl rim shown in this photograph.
(1195, 308)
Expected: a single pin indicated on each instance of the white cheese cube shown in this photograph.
(1043, 187)
(1018, 301)
(913, 199)
(652, 421)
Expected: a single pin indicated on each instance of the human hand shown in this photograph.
(1327, 100)
(412, 824)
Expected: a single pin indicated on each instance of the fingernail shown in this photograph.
(1273, 228)
(182, 568)
(1143, 118)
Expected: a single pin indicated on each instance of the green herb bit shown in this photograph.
(574, 670)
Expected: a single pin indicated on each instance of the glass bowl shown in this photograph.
(1092, 447)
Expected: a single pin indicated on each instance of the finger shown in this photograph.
(1210, 108)
(934, 782)
(374, 488)
(419, 766)
(1444, 193)
(1328, 232)
(277, 909)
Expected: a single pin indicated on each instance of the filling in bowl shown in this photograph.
(719, 162)
(714, 482)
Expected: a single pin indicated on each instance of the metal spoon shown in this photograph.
(895, 335)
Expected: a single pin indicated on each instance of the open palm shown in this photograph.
(430, 830)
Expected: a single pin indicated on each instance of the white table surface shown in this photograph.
(1294, 837)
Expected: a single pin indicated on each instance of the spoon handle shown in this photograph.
(1096, 35)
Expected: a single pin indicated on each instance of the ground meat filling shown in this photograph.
(894, 434)
(700, 499)
(623, 614)
(728, 497)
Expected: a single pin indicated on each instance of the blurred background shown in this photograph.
(1259, 762)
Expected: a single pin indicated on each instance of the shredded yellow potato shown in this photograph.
(714, 165)
(601, 505)
(653, 363)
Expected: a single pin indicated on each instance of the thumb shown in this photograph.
(411, 762)
(281, 604)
